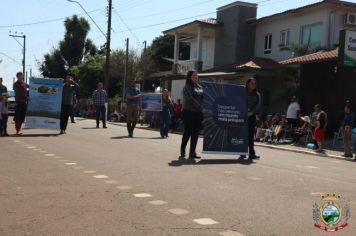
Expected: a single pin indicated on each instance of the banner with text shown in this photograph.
(44, 106)
(151, 102)
(347, 50)
(225, 126)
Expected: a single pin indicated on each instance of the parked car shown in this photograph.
(11, 101)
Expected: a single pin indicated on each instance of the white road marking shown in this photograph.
(124, 187)
(101, 176)
(142, 195)
(231, 233)
(311, 167)
(70, 163)
(50, 155)
(111, 181)
(205, 221)
(157, 202)
(254, 178)
(316, 193)
(89, 172)
(229, 172)
(31, 147)
(178, 211)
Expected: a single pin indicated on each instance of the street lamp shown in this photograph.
(88, 15)
(23, 49)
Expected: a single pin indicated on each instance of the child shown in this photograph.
(4, 114)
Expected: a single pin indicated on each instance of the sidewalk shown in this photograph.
(331, 152)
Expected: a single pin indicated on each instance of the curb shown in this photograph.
(262, 145)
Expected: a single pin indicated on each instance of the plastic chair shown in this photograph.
(337, 136)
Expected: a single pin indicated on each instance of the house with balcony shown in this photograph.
(236, 41)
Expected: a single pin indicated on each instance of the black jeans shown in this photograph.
(251, 135)
(100, 112)
(65, 112)
(192, 125)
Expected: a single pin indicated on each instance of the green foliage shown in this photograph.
(71, 49)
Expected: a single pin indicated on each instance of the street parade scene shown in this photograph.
(185, 117)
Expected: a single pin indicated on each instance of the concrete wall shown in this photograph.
(235, 40)
(331, 19)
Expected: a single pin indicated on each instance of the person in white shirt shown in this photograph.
(293, 112)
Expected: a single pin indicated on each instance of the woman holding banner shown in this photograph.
(253, 105)
(166, 114)
(192, 114)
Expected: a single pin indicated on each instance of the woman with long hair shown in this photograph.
(192, 114)
(253, 106)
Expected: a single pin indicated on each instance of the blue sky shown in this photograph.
(137, 15)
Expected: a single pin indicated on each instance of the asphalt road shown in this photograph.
(98, 182)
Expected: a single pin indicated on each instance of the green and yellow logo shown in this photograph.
(333, 213)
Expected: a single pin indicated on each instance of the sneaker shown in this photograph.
(5, 134)
(130, 135)
(62, 132)
(347, 155)
(104, 127)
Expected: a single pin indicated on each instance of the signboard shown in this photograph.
(44, 106)
(347, 50)
(225, 126)
(151, 102)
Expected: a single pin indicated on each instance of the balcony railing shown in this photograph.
(182, 67)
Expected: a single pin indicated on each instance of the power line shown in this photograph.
(128, 28)
(167, 22)
(169, 11)
(44, 22)
(11, 58)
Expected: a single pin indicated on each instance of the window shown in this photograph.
(268, 44)
(311, 35)
(284, 38)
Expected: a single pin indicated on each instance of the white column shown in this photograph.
(176, 48)
(199, 43)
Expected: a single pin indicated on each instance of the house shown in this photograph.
(238, 42)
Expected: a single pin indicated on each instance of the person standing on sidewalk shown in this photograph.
(20, 89)
(4, 114)
(253, 107)
(192, 114)
(293, 113)
(347, 124)
(133, 95)
(166, 114)
(69, 87)
(100, 97)
(3, 88)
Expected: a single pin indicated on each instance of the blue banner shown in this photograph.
(225, 125)
(44, 106)
(151, 102)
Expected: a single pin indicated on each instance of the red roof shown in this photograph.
(314, 57)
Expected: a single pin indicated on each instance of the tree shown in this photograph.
(71, 49)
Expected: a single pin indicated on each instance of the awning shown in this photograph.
(314, 57)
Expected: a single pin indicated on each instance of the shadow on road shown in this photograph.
(125, 136)
(36, 135)
(89, 128)
(240, 161)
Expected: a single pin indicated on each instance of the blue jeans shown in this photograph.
(100, 112)
(165, 119)
(3, 123)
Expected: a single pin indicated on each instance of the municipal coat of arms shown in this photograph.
(332, 215)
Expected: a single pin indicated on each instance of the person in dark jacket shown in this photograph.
(192, 114)
(347, 125)
(69, 87)
(165, 114)
(20, 89)
(253, 106)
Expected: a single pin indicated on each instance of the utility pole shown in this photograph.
(144, 66)
(108, 39)
(126, 68)
(23, 50)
